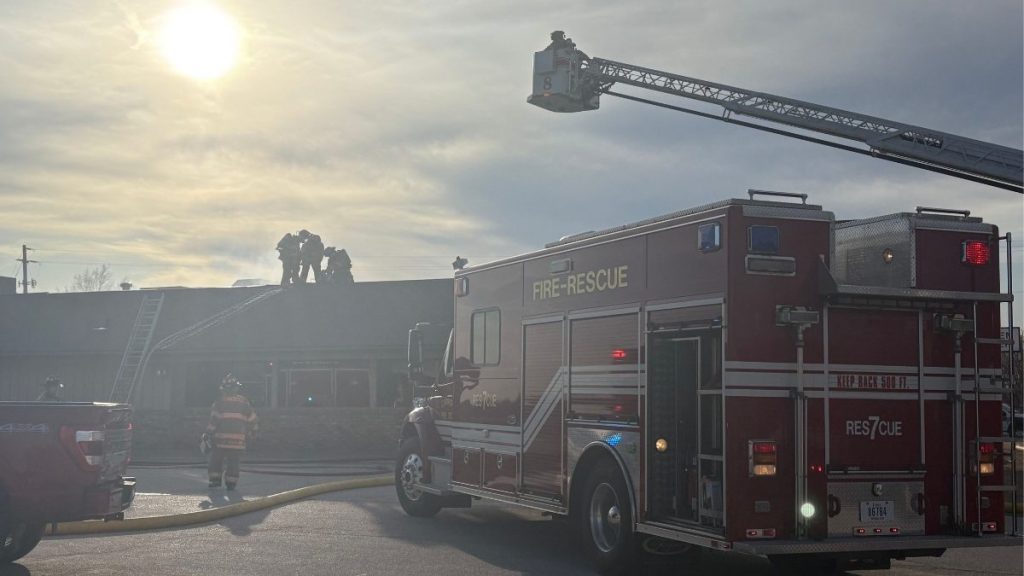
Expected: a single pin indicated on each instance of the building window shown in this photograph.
(486, 337)
(353, 388)
(310, 388)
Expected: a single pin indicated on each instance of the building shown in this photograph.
(305, 346)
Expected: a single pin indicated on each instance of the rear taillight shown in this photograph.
(760, 533)
(985, 527)
(974, 252)
(763, 457)
(86, 446)
(987, 461)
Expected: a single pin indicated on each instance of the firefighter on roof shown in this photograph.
(51, 390)
(312, 254)
(288, 253)
(339, 266)
(232, 422)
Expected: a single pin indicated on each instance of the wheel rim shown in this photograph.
(605, 518)
(412, 474)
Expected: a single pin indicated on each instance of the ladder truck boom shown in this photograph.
(567, 80)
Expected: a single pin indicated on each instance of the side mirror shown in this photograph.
(415, 354)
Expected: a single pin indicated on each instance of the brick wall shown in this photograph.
(285, 433)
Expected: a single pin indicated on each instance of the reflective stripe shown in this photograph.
(235, 416)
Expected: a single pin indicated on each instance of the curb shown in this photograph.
(206, 516)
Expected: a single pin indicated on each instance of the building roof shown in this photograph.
(360, 316)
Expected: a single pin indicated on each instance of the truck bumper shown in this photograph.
(127, 492)
(110, 500)
(879, 544)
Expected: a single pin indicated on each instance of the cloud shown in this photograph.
(399, 130)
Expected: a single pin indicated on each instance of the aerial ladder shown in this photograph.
(565, 79)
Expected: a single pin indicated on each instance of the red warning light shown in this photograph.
(974, 252)
(618, 354)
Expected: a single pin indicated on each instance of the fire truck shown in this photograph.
(751, 375)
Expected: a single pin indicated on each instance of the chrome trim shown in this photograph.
(535, 504)
(580, 441)
(917, 294)
(603, 312)
(794, 212)
(543, 320)
(679, 534)
(685, 304)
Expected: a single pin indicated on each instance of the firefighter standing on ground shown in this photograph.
(51, 390)
(232, 422)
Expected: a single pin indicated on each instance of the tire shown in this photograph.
(605, 521)
(18, 540)
(408, 471)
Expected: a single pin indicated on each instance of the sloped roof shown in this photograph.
(361, 316)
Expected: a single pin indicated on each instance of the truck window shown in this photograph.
(486, 337)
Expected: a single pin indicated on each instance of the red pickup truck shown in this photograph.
(60, 462)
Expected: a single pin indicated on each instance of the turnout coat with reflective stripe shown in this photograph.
(232, 418)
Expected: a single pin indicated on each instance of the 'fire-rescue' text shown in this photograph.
(582, 283)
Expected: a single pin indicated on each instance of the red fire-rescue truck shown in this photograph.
(750, 375)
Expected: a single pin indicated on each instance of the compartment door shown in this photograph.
(874, 403)
(544, 380)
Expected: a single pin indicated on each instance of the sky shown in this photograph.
(399, 129)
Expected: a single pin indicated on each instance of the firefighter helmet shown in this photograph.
(230, 383)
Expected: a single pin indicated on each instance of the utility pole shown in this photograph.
(24, 268)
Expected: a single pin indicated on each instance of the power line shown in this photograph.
(79, 263)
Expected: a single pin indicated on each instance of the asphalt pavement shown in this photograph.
(365, 533)
(179, 488)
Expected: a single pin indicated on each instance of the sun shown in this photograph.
(200, 41)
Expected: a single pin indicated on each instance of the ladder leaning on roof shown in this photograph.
(193, 330)
(138, 343)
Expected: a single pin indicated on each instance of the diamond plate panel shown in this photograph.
(850, 494)
(860, 246)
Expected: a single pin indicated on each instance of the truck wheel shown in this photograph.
(605, 521)
(409, 472)
(18, 540)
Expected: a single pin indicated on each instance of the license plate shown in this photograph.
(876, 511)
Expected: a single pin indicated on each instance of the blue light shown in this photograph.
(614, 439)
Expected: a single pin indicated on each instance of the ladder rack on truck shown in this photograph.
(566, 80)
